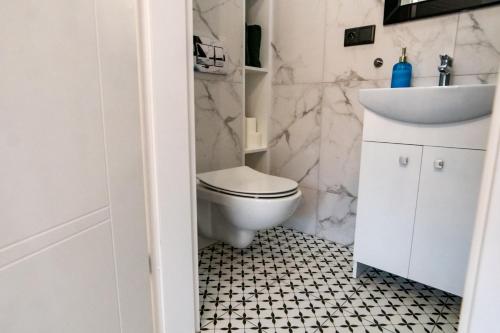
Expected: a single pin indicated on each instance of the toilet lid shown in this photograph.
(244, 180)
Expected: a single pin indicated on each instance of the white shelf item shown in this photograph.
(253, 137)
(256, 150)
(251, 124)
(255, 70)
(254, 140)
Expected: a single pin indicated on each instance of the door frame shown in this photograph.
(479, 271)
(165, 29)
(165, 32)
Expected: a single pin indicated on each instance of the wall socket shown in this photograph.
(359, 35)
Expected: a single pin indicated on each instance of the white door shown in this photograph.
(387, 200)
(73, 245)
(444, 222)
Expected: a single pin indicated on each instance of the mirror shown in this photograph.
(396, 11)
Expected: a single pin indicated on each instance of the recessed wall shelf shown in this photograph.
(257, 70)
(256, 150)
(257, 83)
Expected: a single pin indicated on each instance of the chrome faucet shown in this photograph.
(445, 69)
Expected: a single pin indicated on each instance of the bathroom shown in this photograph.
(250, 166)
(312, 133)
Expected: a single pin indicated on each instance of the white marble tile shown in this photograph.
(295, 133)
(222, 20)
(337, 215)
(305, 217)
(331, 163)
(341, 137)
(341, 134)
(218, 113)
(474, 79)
(478, 42)
(298, 41)
(457, 80)
(424, 39)
(429, 81)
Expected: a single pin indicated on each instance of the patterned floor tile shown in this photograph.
(286, 281)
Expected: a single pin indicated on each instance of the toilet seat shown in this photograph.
(249, 195)
(246, 182)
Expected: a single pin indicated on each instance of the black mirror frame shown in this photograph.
(395, 13)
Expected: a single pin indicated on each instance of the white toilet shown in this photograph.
(233, 204)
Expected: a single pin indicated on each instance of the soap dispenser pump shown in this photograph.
(401, 72)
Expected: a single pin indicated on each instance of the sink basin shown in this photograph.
(430, 105)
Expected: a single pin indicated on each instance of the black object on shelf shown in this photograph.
(252, 48)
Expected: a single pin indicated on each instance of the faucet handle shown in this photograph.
(446, 60)
(445, 69)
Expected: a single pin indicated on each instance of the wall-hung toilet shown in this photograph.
(233, 204)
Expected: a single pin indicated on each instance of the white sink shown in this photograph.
(430, 105)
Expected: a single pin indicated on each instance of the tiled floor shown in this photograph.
(291, 282)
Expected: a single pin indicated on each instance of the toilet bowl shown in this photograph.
(234, 204)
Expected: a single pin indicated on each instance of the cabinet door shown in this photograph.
(386, 208)
(444, 221)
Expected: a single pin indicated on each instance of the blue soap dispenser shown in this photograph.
(401, 72)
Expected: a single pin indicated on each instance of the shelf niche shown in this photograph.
(257, 81)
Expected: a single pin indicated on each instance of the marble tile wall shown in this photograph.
(317, 122)
(218, 98)
(218, 122)
(295, 132)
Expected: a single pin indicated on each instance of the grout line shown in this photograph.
(344, 81)
(211, 320)
(323, 65)
(248, 321)
(456, 34)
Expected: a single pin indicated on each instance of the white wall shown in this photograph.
(73, 246)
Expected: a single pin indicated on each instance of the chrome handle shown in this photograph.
(403, 160)
(438, 164)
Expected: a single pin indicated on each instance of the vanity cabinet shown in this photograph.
(388, 199)
(444, 219)
(416, 211)
(421, 165)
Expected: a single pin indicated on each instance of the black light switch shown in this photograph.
(359, 35)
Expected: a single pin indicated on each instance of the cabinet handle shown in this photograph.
(403, 161)
(438, 164)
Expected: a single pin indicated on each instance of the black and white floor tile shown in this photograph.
(287, 281)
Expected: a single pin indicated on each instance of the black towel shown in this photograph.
(252, 49)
